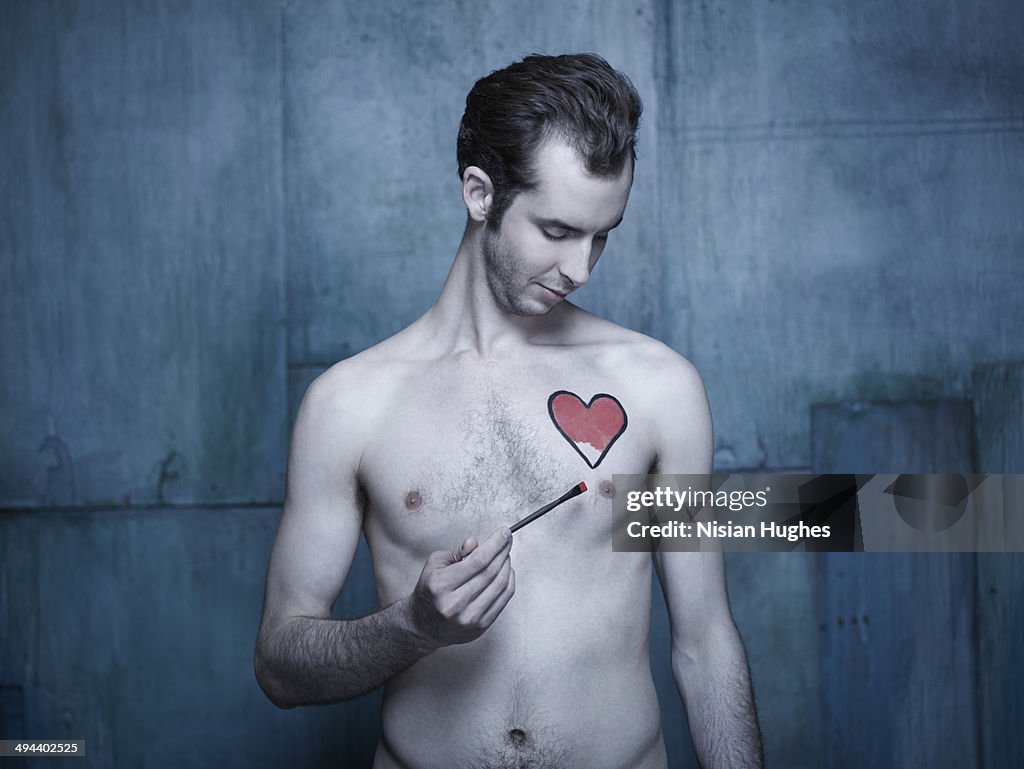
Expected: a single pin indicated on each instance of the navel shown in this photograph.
(413, 501)
(606, 489)
(517, 737)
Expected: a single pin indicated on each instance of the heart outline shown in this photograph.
(587, 406)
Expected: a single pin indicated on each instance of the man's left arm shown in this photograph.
(709, 662)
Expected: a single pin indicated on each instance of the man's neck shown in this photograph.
(467, 313)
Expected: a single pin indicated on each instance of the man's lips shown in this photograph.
(559, 294)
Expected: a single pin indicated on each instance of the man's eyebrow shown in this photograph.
(558, 223)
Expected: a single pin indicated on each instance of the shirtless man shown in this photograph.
(437, 439)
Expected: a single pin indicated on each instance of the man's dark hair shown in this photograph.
(578, 98)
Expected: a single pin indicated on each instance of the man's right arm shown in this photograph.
(303, 655)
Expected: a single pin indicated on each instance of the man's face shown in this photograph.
(552, 236)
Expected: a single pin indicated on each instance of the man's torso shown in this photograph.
(460, 447)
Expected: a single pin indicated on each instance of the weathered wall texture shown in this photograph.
(143, 299)
(206, 204)
(841, 206)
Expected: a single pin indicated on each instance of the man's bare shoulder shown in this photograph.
(669, 392)
(355, 389)
(652, 365)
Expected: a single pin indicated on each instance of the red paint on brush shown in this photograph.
(583, 486)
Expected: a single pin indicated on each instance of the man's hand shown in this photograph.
(460, 593)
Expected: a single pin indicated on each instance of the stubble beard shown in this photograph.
(505, 278)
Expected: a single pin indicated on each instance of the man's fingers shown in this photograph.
(473, 587)
(493, 589)
(480, 557)
(466, 588)
(474, 611)
(464, 573)
(500, 601)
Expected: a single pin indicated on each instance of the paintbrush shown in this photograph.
(575, 491)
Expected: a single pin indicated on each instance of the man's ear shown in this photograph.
(477, 192)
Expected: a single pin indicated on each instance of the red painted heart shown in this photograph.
(591, 428)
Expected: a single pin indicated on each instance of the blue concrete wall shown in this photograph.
(205, 204)
(143, 298)
(841, 206)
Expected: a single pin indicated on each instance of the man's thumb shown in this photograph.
(463, 550)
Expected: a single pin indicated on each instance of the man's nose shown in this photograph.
(576, 266)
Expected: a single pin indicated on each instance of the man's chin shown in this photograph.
(533, 309)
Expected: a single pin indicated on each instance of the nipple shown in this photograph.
(517, 737)
(607, 489)
(413, 501)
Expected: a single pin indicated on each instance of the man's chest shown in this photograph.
(481, 450)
